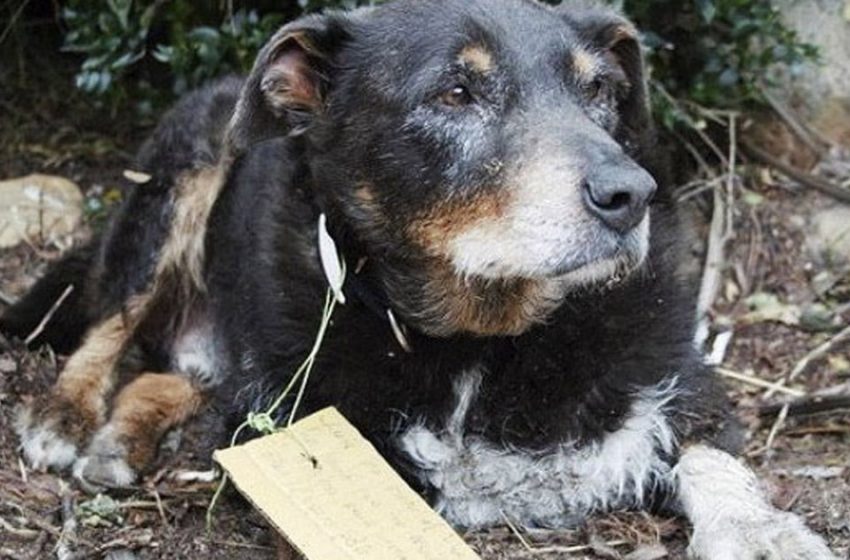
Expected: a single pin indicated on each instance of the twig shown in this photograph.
(11, 554)
(573, 549)
(64, 548)
(757, 382)
(132, 541)
(552, 549)
(52, 311)
(22, 467)
(714, 259)
(794, 124)
(35, 519)
(21, 533)
(160, 508)
(706, 139)
(813, 405)
(820, 352)
(516, 532)
(719, 236)
(13, 20)
(777, 425)
(196, 476)
(805, 179)
(695, 188)
(691, 149)
(236, 544)
(828, 400)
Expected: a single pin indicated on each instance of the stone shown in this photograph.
(41, 208)
(828, 236)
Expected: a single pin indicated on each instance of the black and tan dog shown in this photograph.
(515, 340)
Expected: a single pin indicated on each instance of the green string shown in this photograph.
(263, 422)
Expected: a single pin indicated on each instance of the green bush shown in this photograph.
(715, 53)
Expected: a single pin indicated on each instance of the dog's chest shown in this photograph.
(479, 482)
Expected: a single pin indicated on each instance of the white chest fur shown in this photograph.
(480, 483)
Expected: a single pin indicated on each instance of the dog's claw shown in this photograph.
(96, 473)
(104, 464)
(43, 442)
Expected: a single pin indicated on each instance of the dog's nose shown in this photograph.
(619, 195)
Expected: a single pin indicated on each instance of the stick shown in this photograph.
(64, 547)
(809, 405)
(757, 382)
(719, 236)
(816, 354)
(805, 179)
(22, 533)
(535, 550)
(777, 425)
(13, 20)
(52, 311)
(794, 124)
(35, 519)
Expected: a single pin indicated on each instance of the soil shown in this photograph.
(806, 467)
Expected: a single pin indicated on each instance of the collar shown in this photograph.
(375, 300)
(358, 284)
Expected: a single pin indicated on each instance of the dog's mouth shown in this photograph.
(578, 256)
(610, 264)
(497, 285)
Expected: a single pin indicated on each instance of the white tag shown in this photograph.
(331, 262)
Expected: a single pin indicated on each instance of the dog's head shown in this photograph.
(484, 153)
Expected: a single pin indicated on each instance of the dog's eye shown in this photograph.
(457, 96)
(597, 89)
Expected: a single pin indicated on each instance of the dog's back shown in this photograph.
(118, 262)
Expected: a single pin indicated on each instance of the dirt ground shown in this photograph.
(806, 464)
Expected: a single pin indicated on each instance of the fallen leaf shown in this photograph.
(766, 307)
(818, 318)
(100, 511)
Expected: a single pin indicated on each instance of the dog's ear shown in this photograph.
(610, 32)
(289, 82)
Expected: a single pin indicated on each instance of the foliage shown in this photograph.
(715, 53)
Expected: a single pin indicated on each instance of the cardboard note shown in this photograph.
(330, 493)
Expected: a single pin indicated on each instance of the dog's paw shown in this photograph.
(104, 464)
(776, 536)
(45, 440)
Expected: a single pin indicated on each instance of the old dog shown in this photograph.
(516, 338)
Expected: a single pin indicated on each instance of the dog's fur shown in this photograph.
(484, 168)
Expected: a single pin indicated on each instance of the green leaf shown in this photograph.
(707, 10)
(163, 53)
(121, 9)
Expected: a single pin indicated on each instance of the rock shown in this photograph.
(45, 208)
(828, 236)
(822, 91)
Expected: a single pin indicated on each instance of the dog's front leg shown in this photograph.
(732, 517)
(142, 413)
(57, 424)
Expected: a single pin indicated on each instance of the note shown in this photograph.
(333, 497)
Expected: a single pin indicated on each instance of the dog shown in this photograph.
(516, 336)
